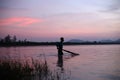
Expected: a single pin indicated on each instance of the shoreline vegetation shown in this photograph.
(54, 43)
(11, 69)
(12, 41)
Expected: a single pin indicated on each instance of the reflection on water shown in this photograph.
(95, 62)
(60, 62)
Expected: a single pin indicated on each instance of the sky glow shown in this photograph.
(47, 20)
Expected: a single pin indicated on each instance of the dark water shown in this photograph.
(95, 62)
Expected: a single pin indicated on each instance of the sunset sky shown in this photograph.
(47, 20)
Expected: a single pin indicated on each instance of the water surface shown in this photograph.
(95, 62)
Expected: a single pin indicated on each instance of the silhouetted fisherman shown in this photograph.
(60, 53)
(60, 46)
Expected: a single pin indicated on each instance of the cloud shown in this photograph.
(115, 5)
(8, 9)
(19, 21)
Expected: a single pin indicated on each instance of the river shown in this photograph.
(95, 62)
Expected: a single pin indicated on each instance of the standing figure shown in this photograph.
(60, 46)
(60, 53)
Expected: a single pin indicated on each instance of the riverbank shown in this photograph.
(54, 43)
(11, 69)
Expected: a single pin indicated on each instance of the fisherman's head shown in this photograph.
(62, 39)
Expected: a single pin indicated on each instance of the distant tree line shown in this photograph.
(11, 39)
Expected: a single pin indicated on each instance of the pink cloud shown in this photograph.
(19, 21)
